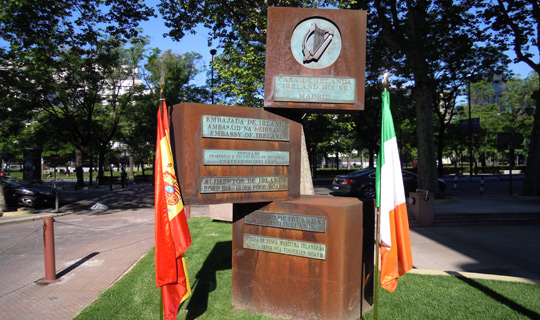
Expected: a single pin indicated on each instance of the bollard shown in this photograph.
(187, 211)
(482, 185)
(56, 202)
(48, 246)
(455, 182)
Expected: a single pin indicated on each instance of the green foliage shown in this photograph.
(178, 71)
(512, 113)
(239, 28)
(421, 297)
(61, 57)
(515, 24)
(240, 70)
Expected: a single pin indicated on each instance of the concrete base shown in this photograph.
(421, 206)
(221, 212)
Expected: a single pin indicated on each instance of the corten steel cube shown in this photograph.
(315, 60)
(302, 287)
(229, 154)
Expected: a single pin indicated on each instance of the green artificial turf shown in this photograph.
(135, 296)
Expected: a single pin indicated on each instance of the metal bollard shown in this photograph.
(455, 182)
(48, 246)
(482, 185)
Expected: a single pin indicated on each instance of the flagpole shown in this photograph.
(386, 85)
(160, 110)
(161, 311)
(377, 261)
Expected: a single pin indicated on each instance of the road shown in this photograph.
(464, 185)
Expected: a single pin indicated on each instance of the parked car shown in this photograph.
(21, 193)
(362, 183)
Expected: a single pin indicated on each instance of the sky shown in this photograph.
(155, 28)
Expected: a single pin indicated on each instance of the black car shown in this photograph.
(21, 193)
(362, 183)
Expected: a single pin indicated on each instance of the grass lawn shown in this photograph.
(135, 296)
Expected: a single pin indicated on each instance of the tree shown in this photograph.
(179, 70)
(240, 30)
(121, 84)
(423, 37)
(432, 37)
(515, 24)
(58, 53)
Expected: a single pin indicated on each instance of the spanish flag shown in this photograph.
(171, 229)
(396, 255)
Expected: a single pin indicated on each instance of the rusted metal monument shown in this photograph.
(298, 256)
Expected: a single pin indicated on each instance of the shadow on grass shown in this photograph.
(500, 298)
(219, 259)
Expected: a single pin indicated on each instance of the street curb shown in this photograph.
(473, 275)
(527, 198)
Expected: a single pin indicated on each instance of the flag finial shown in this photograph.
(385, 82)
(162, 84)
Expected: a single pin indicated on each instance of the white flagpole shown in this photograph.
(386, 85)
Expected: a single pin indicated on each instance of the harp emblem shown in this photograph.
(321, 40)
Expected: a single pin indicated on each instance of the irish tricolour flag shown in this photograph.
(396, 256)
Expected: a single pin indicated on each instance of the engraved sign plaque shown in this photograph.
(287, 221)
(227, 154)
(244, 128)
(315, 60)
(245, 158)
(314, 89)
(244, 184)
(284, 246)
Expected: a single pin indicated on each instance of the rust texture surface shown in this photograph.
(299, 287)
(280, 60)
(228, 183)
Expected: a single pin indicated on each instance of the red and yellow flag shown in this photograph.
(171, 229)
(396, 254)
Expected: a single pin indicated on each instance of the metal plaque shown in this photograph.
(214, 126)
(316, 43)
(322, 52)
(215, 157)
(284, 246)
(287, 221)
(314, 89)
(243, 184)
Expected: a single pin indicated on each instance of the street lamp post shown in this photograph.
(470, 132)
(212, 52)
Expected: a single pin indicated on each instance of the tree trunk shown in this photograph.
(423, 96)
(91, 169)
(3, 204)
(440, 147)
(101, 163)
(372, 153)
(131, 165)
(79, 166)
(531, 184)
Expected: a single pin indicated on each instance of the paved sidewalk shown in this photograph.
(95, 248)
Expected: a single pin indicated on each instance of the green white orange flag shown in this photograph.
(171, 229)
(396, 255)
